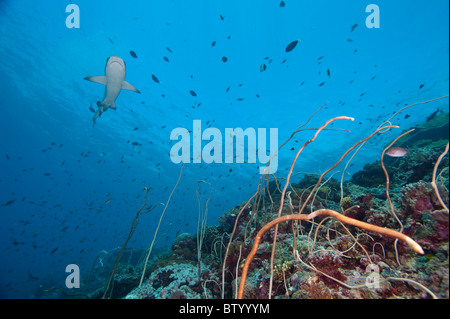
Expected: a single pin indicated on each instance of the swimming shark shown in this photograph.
(114, 80)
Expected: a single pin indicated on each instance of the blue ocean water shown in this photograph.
(70, 190)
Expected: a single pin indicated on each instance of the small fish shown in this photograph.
(107, 202)
(133, 54)
(168, 49)
(91, 109)
(221, 17)
(154, 78)
(193, 93)
(262, 68)
(421, 86)
(397, 152)
(432, 115)
(166, 59)
(213, 44)
(291, 46)
(321, 84)
(329, 73)
(8, 203)
(282, 4)
(224, 59)
(354, 27)
(136, 143)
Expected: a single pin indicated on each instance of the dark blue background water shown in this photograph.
(76, 189)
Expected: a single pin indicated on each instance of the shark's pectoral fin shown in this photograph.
(97, 79)
(113, 106)
(129, 87)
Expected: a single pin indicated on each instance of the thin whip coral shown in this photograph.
(133, 228)
(433, 181)
(287, 184)
(159, 224)
(344, 219)
(384, 128)
(201, 224)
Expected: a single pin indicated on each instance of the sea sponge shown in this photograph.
(345, 201)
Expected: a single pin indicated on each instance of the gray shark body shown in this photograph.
(114, 80)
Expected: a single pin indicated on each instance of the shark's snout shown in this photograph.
(115, 59)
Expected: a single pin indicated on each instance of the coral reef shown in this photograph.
(175, 281)
(325, 258)
(335, 266)
(319, 258)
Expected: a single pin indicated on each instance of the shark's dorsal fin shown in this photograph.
(129, 87)
(97, 79)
